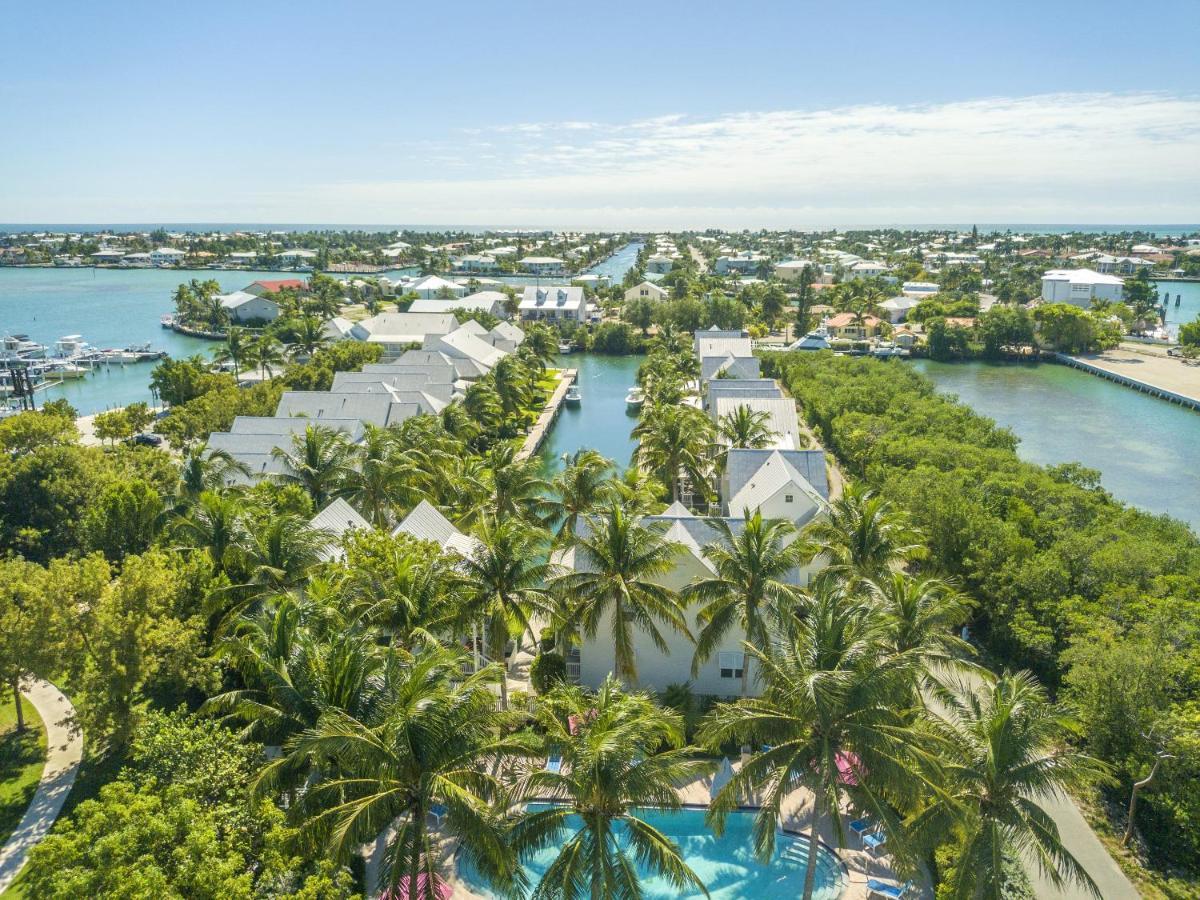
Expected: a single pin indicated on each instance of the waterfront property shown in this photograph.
(244, 307)
(647, 290)
(1080, 287)
(556, 303)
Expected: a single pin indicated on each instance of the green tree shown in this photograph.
(864, 535)
(112, 425)
(1001, 755)
(320, 462)
(125, 517)
(673, 445)
(746, 428)
(619, 562)
(236, 350)
(583, 484)
(749, 589)
(28, 628)
(612, 769)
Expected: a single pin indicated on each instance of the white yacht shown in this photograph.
(635, 398)
(573, 397)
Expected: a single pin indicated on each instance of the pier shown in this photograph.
(1158, 375)
(545, 420)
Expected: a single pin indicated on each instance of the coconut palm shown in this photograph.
(673, 445)
(214, 526)
(320, 462)
(1003, 754)
(540, 344)
(426, 742)
(747, 428)
(922, 616)
(748, 589)
(505, 576)
(516, 487)
(382, 481)
(206, 470)
(611, 771)
(618, 563)
(863, 536)
(279, 551)
(268, 354)
(510, 379)
(583, 484)
(236, 350)
(833, 693)
(308, 336)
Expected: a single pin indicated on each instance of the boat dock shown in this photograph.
(545, 420)
(1160, 376)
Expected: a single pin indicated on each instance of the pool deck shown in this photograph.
(1144, 370)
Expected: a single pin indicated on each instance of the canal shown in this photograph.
(1145, 449)
(601, 422)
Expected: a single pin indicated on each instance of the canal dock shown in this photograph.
(545, 420)
(1158, 375)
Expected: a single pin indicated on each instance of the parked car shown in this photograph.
(147, 440)
(1174, 351)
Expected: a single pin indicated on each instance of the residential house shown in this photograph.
(264, 288)
(476, 262)
(432, 286)
(866, 268)
(166, 256)
(554, 303)
(1080, 287)
(399, 331)
(244, 307)
(494, 303)
(337, 520)
(543, 266)
(647, 290)
(898, 308)
(659, 264)
(745, 263)
(848, 326)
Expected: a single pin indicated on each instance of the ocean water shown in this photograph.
(1188, 295)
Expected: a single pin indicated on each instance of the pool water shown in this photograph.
(727, 865)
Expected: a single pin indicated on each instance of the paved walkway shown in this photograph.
(1079, 838)
(64, 749)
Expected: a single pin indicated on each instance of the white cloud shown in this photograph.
(1050, 158)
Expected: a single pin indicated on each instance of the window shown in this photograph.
(787, 498)
(732, 665)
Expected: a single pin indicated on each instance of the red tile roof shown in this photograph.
(841, 320)
(272, 286)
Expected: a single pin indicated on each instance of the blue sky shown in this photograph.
(608, 115)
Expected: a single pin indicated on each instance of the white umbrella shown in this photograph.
(722, 777)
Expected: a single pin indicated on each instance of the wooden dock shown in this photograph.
(1159, 376)
(545, 421)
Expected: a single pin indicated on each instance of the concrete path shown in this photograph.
(1079, 838)
(64, 749)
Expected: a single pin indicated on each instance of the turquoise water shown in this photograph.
(619, 263)
(1188, 293)
(726, 865)
(601, 422)
(110, 308)
(1145, 449)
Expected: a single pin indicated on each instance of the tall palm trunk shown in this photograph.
(810, 870)
(15, 683)
(414, 867)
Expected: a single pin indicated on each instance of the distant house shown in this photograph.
(554, 303)
(647, 290)
(898, 308)
(742, 263)
(919, 287)
(265, 288)
(792, 269)
(659, 264)
(166, 256)
(432, 286)
(1080, 287)
(866, 268)
(243, 258)
(543, 265)
(336, 521)
(296, 256)
(398, 331)
(243, 306)
(476, 263)
(847, 327)
(107, 255)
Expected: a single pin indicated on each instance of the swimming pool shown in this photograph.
(727, 865)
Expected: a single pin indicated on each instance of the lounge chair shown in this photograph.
(554, 762)
(877, 888)
(437, 812)
(873, 840)
(861, 826)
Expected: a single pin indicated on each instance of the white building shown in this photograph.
(398, 331)
(660, 264)
(246, 307)
(1080, 286)
(555, 302)
(477, 263)
(166, 256)
(742, 263)
(866, 268)
(491, 302)
(432, 286)
(543, 265)
(647, 290)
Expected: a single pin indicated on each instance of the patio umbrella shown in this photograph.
(849, 766)
(722, 777)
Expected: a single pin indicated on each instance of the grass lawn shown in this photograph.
(22, 758)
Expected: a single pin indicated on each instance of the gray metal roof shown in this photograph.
(738, 367)
(378, 409)
(775, 474)
(781, 415)
(292, 425)
(740, 466)
(338, 519)
(425, 522)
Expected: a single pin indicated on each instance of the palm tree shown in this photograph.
(505, 577)
(517, 489)
(308, 336)
(748, 589)
(206, 470)
(267, 353)
(279, 551)
(922, 616)
(863, 536)
(617, 562)
(611, 771)
(512, 390)
(383, 480)
(320, 462)
(427, 742)
(673, 444)
(1004, 753)
(747, 428)
(579, 488)
(540, 344)
(236, 350)
(833, 693)
(213, 526)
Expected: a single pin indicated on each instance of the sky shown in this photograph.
(615, 115)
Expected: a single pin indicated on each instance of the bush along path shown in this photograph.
(64, 749)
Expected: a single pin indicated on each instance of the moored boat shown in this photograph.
(573, 397)
(635, 398)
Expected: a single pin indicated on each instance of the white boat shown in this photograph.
(67, 370)
(635, 398)
(71, 345)
(565, 346)
(19, 346)
(573, 397)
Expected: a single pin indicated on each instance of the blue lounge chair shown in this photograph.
(437, 812)
(861, 826)
(554, 762)
(877, 888)
(873, 840)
